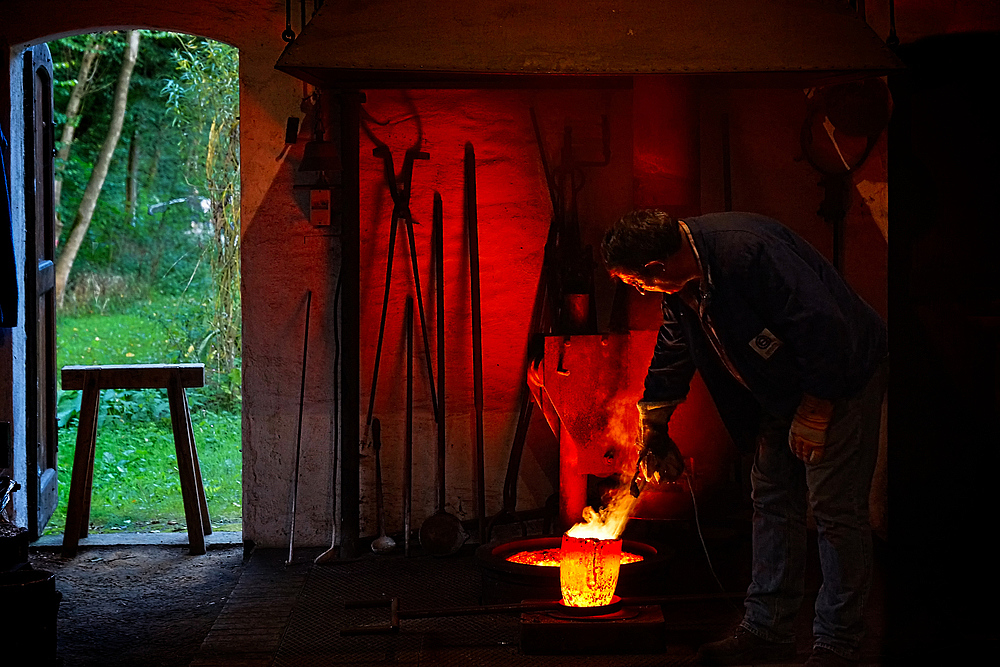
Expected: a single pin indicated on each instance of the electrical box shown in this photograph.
(319, 207)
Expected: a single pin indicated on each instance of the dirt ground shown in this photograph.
(138, 605)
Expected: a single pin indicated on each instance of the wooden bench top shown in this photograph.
(134, 376)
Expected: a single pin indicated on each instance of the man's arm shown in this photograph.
(666, 386)
(671, 368)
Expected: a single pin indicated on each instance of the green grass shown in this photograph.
(160, 330)
(136, 483)
(118, 339)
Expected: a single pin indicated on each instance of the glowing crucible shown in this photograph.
(588, 571)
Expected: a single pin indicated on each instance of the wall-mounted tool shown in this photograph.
(298, 435)
(571, 271)
(321, 157)
(472, 222)
(408, 437)
(331, 553)
(842, 125)
(382, 544)
(441, 533)
(400, 192)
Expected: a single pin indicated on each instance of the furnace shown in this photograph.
(591, 618)
(506, 581)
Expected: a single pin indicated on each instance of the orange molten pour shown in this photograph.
(588, 573)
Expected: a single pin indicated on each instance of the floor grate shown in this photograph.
(313, 634)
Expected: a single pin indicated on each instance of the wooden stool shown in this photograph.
(172, 377)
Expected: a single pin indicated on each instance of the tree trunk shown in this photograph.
(131, 175)
(72, 114)
(88, 203)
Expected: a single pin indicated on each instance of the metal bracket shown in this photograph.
(392, 627)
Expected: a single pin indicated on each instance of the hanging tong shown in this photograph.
(399, 190)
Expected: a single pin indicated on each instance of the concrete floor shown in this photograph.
(275, 614)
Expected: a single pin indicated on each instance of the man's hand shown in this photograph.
(662, 462)
(659, 459)
(807, 436)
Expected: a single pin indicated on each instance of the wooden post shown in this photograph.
(184, 445)
(78, 507)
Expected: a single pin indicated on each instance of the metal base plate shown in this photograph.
(628, 631)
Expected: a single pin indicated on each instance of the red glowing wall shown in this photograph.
(514, 211)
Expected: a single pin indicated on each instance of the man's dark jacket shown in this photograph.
(786, 321)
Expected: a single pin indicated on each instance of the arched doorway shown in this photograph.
(154, 274)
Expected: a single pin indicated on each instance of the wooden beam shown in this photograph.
(137, 376)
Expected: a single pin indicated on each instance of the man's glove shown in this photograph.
(659, 459)
(807, 436)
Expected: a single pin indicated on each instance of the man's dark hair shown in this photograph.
(638, 238)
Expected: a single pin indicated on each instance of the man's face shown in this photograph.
(633, 280)
(668, 277)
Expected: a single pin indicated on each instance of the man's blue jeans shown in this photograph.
(837, 490)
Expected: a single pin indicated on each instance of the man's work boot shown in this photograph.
(744, 648)
(822, 657)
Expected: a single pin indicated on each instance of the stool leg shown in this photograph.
(185, 466)
(202, 500)
(88, 494)
(78, 505)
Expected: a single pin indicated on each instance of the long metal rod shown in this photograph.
(408, 439)
(331, 553)
(396, 614)
(381, 326)
(350, 370)
(298, 434)
(438, 233)
(549, 178)
(472, 220)
(420, 312)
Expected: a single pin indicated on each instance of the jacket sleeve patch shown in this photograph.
(765, 344)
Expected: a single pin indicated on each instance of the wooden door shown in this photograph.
(39, 289)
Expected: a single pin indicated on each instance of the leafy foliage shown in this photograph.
(156, 246)
(175, 232)
(204, 97)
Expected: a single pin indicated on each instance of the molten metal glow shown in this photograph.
(553, 557)
(588, 573)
